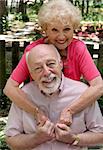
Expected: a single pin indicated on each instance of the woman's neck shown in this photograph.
(63, 54)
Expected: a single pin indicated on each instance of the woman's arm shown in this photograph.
(20, 98)
(93, 92)
(91, 74)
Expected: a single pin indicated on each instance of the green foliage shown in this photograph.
(3, 145)
(35, 6)
(4, 109)
(101, 104)
(4, 105)
(93, 17)
(21, 17)
(101, 101)
(98, 5)
(36, 36)
(5, 23)
(32, 10)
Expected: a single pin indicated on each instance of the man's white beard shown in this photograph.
(50, 84)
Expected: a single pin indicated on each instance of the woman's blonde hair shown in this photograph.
(59, 10)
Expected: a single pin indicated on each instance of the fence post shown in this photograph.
(90, 49)
(26, 43)
(2, 66)
(15, 54)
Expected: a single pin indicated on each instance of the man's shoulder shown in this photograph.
(29, 87)
(70, 83)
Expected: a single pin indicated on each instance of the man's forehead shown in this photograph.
(42, 54)
(44, 60)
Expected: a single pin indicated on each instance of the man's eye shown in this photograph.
(38, 69)
(51, 65)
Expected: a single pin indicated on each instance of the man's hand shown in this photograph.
(66, 117)
(45, 133)
(63, 133)
(41, 118)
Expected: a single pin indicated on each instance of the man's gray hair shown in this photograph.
(53, 48)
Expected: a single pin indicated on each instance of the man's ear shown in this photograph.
(61, 64)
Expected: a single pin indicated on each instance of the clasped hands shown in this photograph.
(47, 131)
(58, 131)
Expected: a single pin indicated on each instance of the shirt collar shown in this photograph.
(62, 83)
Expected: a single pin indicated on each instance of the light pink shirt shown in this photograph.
(20, 121)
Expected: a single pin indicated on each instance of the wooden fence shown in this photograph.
(10, 54)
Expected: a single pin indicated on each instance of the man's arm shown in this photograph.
(94, 128)
(93, 92)
(63, 134)
(22, 142)
(29, 141)
(21, 99)
(89, 139)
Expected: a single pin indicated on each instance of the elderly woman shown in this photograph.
(59, 19)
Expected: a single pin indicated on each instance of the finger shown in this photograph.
(51, 131)
(41, 118)
(66, 117)
(58, 132)
(62, 126)
(49, 127)
(41, 123)
(44, 127)
(47, 123)
(66, 121)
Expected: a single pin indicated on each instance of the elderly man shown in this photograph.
(52, 92)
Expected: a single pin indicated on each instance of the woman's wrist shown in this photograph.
(35, 112)
(70, 111)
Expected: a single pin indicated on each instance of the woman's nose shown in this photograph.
(61, 36)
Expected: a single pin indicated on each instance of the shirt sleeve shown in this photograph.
(86, 63)
(94, 119)
(14, 124)
(21, 72)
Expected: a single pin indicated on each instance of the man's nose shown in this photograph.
(46, 70)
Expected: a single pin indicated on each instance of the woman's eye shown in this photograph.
(55, 30)
(67, 29)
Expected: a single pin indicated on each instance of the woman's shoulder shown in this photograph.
(77, 42)
(34, 43)
(77, 46)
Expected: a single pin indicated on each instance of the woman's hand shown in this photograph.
(41, 118)
(66, 117)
